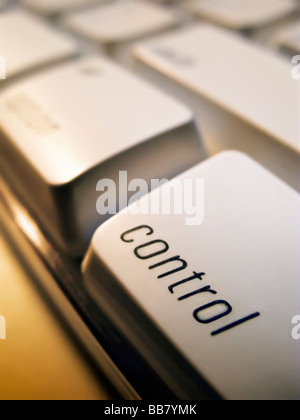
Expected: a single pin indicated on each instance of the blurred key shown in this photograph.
(169, 2)
(115, 24)
(27, 43)
(288, 38)
(54, 7)
(244, 96)
(209, 306)
(241, 14)
(66, 130)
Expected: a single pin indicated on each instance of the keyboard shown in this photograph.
(150, 179)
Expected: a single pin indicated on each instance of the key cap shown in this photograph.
(242, 14)
(68, 129)
(212, 302)
(35, 45)
(55, 7)
(115, 24)
(236, 90)
(288, 39)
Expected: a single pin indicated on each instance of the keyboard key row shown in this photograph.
(234, 110)
(113, 26)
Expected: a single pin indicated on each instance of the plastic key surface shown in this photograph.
(41, 44)
(120, 22)
(55, 7)
(68, 128)
(235, 88)
(212, 302)
(241, 14)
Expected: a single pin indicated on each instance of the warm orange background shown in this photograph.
(39, 359)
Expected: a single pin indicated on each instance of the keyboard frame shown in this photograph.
(59, 276)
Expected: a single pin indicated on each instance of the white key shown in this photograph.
(121, 22)
(240, 14)
(244, 96)
(54, 7)
(67, 129)
(289, 38)
(221, 294)
(35, 45)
